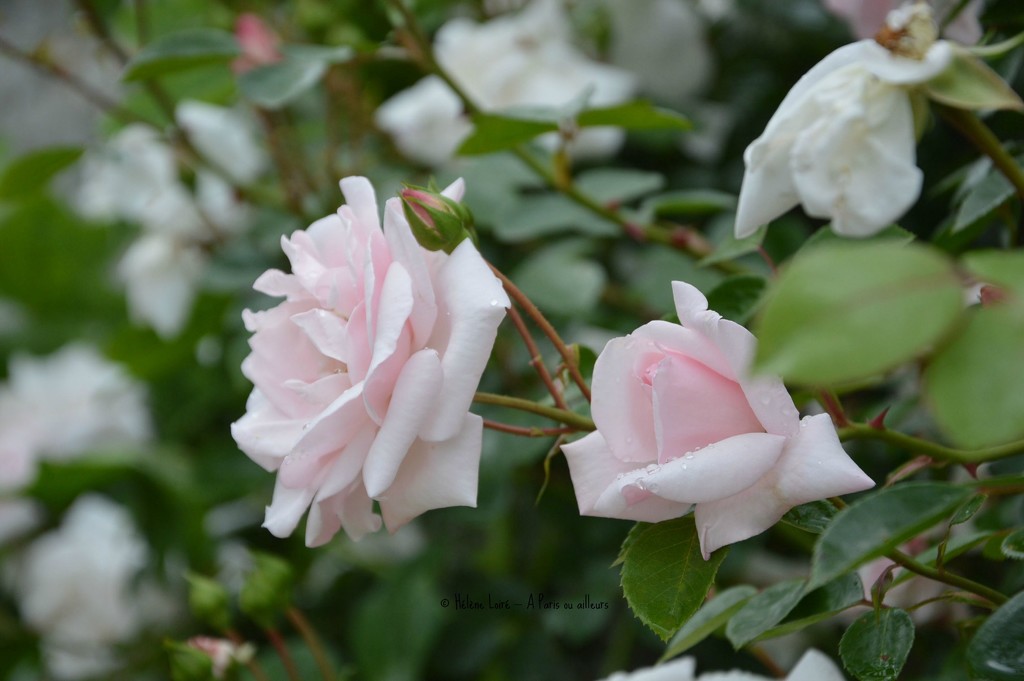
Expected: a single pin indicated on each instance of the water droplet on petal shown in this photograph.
(494, 302)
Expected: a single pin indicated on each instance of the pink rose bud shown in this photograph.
(681, 421)
(220, 653)
(437, 222)
(258, 41)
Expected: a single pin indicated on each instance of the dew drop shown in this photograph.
(684, 466)
(494, 302)
(689, 456)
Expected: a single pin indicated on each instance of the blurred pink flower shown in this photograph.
(681, 422)
(260, 44)
(866, 17)
(365, 373)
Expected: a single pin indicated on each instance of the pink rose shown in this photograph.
(680, 422)
(364, 374)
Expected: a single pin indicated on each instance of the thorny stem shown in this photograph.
(545, 326)
(834, 408)
(766, 661)
(569, 418)
(860, 431)
(309, 634)
(536, 360)
(282, 651)
(682, 238)
(527, 431)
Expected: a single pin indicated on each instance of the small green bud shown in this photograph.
(266, 592)
(189, 663)
(437, 222)
(209, 601)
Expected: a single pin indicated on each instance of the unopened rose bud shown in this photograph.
(209, 602)
(267, 590)
(260, 45)
(189, 663)
(437, 222)
(223, 654)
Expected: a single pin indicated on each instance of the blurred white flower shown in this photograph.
(226, 137)
(663, 43)
(161, 276)
(128, 176)
(842, 142)
(74, 587)
(65, 405)
(17, 516)
(425, 121)
(813, 666)
(525, 59)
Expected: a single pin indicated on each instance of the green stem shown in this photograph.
(982, 137)
(909, 563)
(860, 431)
(569, 418)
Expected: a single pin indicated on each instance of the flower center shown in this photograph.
(909, 31)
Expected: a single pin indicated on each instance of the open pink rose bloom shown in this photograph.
(680, 422)
(364, 374)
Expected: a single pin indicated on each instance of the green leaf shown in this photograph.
(997, 650)
(493, 132)
(968, 509)
(1013, 545)
(969, 83)
(824, 602)
(664, 577)
(764, 611)
(813, 517)
(618, 185)
(827, 236)
(180, 51)
(731, 248)
(877, 644)
(878, 523)
(693, 202)
(982, 200)
(275, 85)
(547, 214)
(974, 384)
(560, 279)
(640, 115)
(404, 608)
(847, 311)
(736, 297)
(1001, 268)
(31, 173)
(711, 616)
